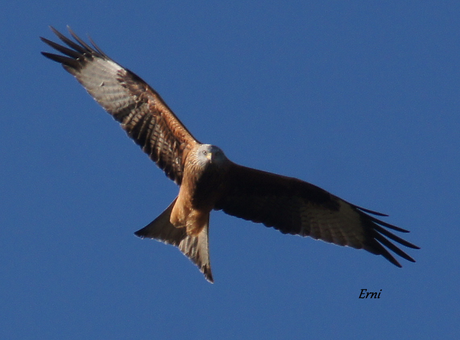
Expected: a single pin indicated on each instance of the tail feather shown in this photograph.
(196, 248)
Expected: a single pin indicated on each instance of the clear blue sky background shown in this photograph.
(360, 98)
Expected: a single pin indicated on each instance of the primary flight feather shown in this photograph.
(207, 179)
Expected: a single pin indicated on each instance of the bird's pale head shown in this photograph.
(209, 154)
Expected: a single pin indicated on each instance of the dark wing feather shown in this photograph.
(131, 101)
(296, 207)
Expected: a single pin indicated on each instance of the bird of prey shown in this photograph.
(207, 179)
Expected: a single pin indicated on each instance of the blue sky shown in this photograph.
(360, 99)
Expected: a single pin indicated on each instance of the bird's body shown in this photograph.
(208, 180)
(202, 188)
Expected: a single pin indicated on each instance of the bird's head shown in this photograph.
(210, 155)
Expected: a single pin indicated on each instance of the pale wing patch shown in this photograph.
(342, 226)
(102, 80)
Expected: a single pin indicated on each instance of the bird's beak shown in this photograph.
(210, 156)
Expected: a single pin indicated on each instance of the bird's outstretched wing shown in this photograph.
(131, 101)
(296, 207)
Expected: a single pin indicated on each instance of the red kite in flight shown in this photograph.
(207, 179)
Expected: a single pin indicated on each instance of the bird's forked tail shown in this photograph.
(195, 247)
